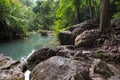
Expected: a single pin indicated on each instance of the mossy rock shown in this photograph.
(102, 68)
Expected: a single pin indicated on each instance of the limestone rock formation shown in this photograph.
(87, 38)
(39, 56)
(60, 68)
(10, 69)
(86, 25)
(67, 38)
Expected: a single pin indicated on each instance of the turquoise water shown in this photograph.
(18, 49)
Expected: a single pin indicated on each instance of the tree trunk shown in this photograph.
(78, 14)
(104, 17)
(77, 6)
(90, 10)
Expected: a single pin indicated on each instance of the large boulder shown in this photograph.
(39, 56)
(10, 69)
(60, 68)
(86, 39)
(86, 25)
(66, 38)
(78, 31)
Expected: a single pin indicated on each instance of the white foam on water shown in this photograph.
(27, 75)
(23, 59)
(31, 53)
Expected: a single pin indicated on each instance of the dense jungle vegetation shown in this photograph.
(18, 17)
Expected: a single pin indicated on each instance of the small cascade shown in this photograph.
(31, 53)
(27, 75)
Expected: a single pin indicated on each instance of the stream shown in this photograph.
(20, 49)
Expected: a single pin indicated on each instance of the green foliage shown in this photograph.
(116, 4)
(45, 14)
(13, 19)
(96, 6)
(116, 15)
(65, 14)
(4, 9)
(72, 12)
(19, 16)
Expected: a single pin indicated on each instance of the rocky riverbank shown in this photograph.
(11, 69)
(82, 55)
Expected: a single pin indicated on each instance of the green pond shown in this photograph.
(20, 49)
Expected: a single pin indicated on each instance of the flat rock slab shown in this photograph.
(60, 68)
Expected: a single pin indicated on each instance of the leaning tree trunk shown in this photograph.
(104, 17)
(90, 10)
